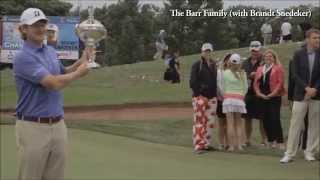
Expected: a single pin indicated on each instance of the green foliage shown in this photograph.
(130, 32)
(189, 33)
(133, 28)
(49, 7)
(247, 28)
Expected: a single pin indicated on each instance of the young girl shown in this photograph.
(234, 89)
(223, 140)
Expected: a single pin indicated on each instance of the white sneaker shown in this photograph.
(286, 159)
(309, 157)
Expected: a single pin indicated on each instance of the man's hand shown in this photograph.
(87, 54)
(310, 92)
(83, 69)
(252, 74)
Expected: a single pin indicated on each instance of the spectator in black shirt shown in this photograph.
(250, 66)
(203, 82)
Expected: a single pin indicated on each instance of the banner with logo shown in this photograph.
(67, 45)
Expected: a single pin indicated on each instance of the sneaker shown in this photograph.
(221, 147)
(240, 148)
(200, 151)
(309, 157)
(286, 159)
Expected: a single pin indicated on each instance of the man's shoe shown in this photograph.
(221, 147)
(286, 159)
(210, 148)
(309, 157)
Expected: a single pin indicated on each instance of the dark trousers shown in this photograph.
(270, 111)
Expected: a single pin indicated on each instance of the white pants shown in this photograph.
(42, 150)
(299, 110)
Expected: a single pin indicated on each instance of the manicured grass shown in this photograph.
(94, 155)
(166, 131)
(134, 83)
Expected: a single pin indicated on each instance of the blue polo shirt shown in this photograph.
(31, 65)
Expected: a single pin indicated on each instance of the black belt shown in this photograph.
(46, 120)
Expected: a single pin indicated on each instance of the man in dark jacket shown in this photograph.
(203, 82)
(306, 96)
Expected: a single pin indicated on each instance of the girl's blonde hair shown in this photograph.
(274, 54)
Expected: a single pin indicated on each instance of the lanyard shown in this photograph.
(265, 70)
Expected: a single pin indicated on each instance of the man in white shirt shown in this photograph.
(286, 32)
(266, 31)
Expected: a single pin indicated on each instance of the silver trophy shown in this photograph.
(91, 32)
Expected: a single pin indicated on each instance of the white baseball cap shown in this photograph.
(235, 59)
(32, 15)
(207, 46)
(255, 45)
(53, 27)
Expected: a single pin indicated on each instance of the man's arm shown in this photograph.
(317, 83)
(194, 85)
(290, 81)
(244, 66)
(296, 69)
(316, 87)
(280, 78)
(57, 82)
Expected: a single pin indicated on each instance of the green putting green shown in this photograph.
(94, 155)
